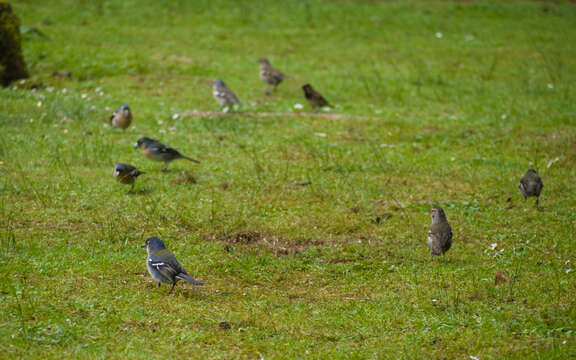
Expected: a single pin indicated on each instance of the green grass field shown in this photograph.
(443, 103)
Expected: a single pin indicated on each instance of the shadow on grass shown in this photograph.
(189, 293)
(139, 192)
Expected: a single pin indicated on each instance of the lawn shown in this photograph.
(437, 103)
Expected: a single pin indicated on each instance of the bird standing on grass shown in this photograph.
(440, 234)
(225, 97)
(126, 174)
(531, 185)
(270, 75)
(314, 98)
(157, 151)
(122, 117)
(163, 266)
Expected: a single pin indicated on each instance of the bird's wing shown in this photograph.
(165, 262)
(277, 74)
(135, 172)
(129, 168)
(440, 237)
(163, 149)
(230, 95)
(434, 242)
(539, 182)
(522, 187)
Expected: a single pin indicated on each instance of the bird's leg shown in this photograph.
(172, 288)
(132, 188)
(159, 283)
(537, 201)
(165, 168)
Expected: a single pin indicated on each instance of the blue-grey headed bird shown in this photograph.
(440, 234)
(163, 266)
(156, 151)
(122, 117)
(314, 98)
(531, 185)
(126, 174)
(269, 74)
(223, 95)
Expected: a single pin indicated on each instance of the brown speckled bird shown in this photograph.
(440, 234)
(223, 95)
(531, 185)
(314, 98)
(122, 117)
(270, 75)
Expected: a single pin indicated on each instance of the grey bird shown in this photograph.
(122, 117)
(223, 95)
(270, 75)
(314, 98)
(156, 151)
(531, 185)
(440, 234)
(163, 266)
(126, 174)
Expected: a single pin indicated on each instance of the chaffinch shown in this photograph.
(156, 151)
(163, 266)
(440, 234)
(126, 174)
(122, 117)
(531, 185)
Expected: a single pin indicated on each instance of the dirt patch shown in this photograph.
(241, 237)
(341, 260)
(277, 245)
(431, 129)
(187, 179)
(224, 325)
(196, 113)
(378, 219)
(224, 186)
(244, 237)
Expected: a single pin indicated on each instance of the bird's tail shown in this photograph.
(190, 159)
(188, 279)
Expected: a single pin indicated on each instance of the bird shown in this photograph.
(440, 234)
(156, 151)
(122, 117)
(315, 99)
(225, 97)
(163, 266)
(269, 74)
(126, 174)
(531, 185)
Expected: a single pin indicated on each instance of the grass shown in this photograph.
(445, 103)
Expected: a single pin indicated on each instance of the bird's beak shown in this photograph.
(144, 246)
(136, 146)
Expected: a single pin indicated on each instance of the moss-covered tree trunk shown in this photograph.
(12, 65)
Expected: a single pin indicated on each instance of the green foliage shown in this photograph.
(442, 103)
